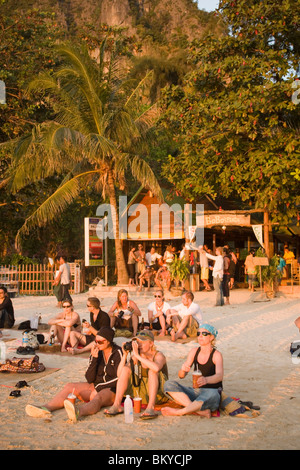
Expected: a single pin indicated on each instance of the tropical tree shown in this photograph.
(234, 121)
(98, 133)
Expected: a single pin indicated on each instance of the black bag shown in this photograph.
(24, 325)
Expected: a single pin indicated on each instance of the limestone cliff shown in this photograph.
(166, 16)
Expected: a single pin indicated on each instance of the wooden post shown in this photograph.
(214, 243)
(266, 233)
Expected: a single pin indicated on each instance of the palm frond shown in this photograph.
(144, 174)
(54, 205)
(131, 101)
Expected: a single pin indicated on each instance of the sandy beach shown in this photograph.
(254, 338)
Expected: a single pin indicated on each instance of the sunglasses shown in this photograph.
(158, 296)
(88, 305)
(203, 333)
(100, 341)
(66, 306)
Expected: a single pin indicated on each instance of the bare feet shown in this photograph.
(72, 351)
(167, 411)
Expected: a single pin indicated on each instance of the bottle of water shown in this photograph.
(25, 339)
(128, 410)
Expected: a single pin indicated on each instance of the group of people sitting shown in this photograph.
(139, 369)
(76, 336)
(150, 268)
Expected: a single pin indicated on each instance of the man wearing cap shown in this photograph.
(100, 388)
(204, 396)
(143, 375)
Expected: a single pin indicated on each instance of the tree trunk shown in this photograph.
(122, 274)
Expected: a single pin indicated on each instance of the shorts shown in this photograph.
(142, 389)
(156, 325)
(191, 329)
(89, 339)
(211, 397)
(205, 273)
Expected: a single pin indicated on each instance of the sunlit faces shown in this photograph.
(101, 342)
(204, 337)
(123, 297)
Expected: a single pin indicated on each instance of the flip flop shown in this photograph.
(37, 411)
(148, 415)
(71, 411)
(21, 384)
(15, 394)
(113, 411)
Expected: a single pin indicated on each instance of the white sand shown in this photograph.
(254, 338)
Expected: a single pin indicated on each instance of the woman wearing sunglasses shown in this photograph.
(99, 389)
(157, 313)
(64, 323)
(205, 397)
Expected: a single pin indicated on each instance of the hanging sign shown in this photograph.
(258, 232)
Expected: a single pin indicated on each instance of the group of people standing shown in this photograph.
(222, 271)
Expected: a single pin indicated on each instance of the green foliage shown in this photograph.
(233, 120)
(29, 35)
(179, 270)
(16, 259)
(269, 274)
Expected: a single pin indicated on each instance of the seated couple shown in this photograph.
(67, 327)
(109, 377)
(184, 318)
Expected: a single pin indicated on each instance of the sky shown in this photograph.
(208, 5)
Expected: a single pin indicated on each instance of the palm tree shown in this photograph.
(99, 133)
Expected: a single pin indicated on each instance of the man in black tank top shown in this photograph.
(204, 396)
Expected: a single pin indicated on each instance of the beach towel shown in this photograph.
(22, 365)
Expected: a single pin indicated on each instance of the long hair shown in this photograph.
(120, 292)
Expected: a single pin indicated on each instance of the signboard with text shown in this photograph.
(226, 219)
(94, 243)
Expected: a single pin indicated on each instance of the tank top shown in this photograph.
(207, 369)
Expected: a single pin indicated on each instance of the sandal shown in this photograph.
(148, 415)
(37, 411)
(71, 410)
(21, 384)
(113, 411)
(15, 394)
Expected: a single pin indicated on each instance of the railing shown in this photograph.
(35, 279)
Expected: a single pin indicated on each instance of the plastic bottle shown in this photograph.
(34, 321)
(52, 336)
(128, 410)
(25, 339)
